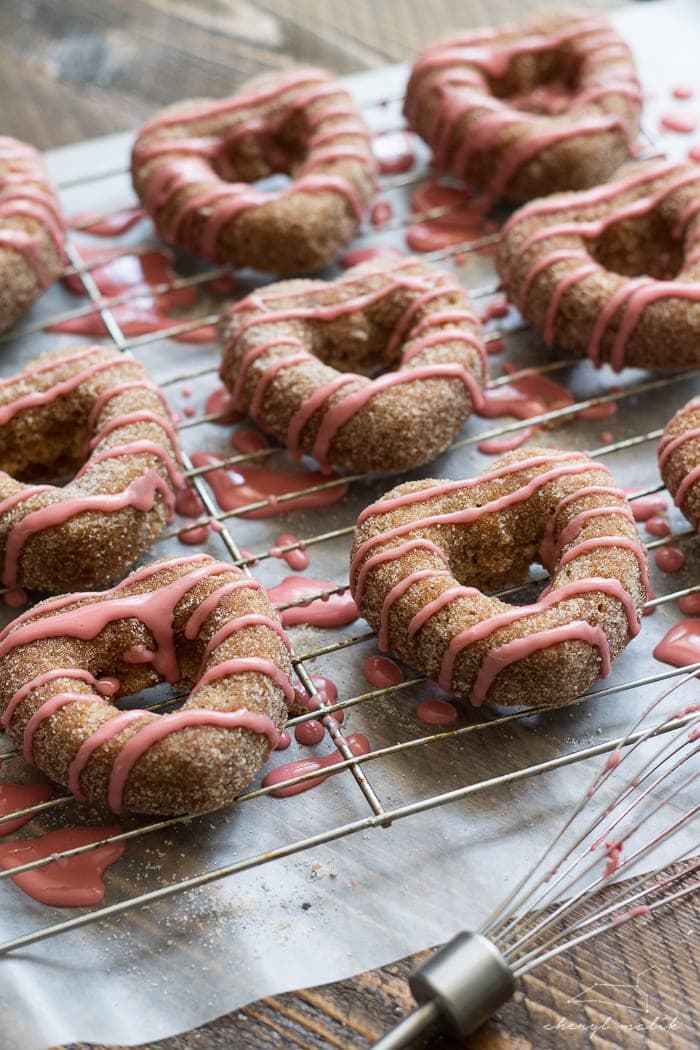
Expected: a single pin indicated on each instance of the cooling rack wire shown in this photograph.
(379, 813)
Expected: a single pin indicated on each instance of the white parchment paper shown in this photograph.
(324, 913)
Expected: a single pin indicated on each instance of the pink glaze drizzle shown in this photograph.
(632, 296)
(339, 411)
(559, 464)
(26, 195)
(453, 74)
(173, 166)
(155, 609)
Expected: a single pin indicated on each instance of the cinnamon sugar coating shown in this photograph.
(192, 621)
(31, 230)
(424, 554)
(524, 109)
(679, 460)
(93, 415)
(295, 353)
(613, 272)
(192, 166)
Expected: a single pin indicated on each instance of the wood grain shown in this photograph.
(75, 69)
(634, 988)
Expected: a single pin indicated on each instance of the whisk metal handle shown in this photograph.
(461, 985)
(468, 978)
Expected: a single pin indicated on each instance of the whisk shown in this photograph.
(467, 979)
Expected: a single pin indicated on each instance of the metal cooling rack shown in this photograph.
(645, 403)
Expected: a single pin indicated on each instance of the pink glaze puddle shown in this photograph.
(527, 396)
(645, 507)
(689, 604)
(498, 446)
(245, 441)
(678, 122)
(657, 526)
(606, 436)
(382, 672)
(145, 313)
(464, 223)
(138, 317)
(224, 285)
(332, 610)
(99, 224)
(436, 712)
(327, 693)
(297, 559)
(71, 882)
(20, 796)
(381, 213)
(194, 537)
(494, 311)
(669, 559)
(358, 744)
(189, 411)
(15, 597)
(680, 646)
(325, 696)
(220, 403)
(355, 256)
(393, 151)
(236, 488)
(598, 412)
(683, 91)
(309, 733)
(118, 274)
(188, 503)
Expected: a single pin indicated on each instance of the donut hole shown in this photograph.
(358, 342)
(539, 82)
(642, 246)
(274, 145)
(46, 447)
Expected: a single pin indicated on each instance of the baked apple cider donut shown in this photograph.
(288, 348)
(425, 552)
(194, 622)
(95, 414)
(679, 460)
(31, 230)
(550, 103)
(192, 166)
(613, 272)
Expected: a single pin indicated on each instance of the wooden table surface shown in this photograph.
(75, 69)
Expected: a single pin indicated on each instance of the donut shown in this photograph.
(192, 166)
(613, 272)
(93, 415)
(287, 348)
(31, 230)
(679, 460)
(425, 552)
(194, 622)
(550, 103)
